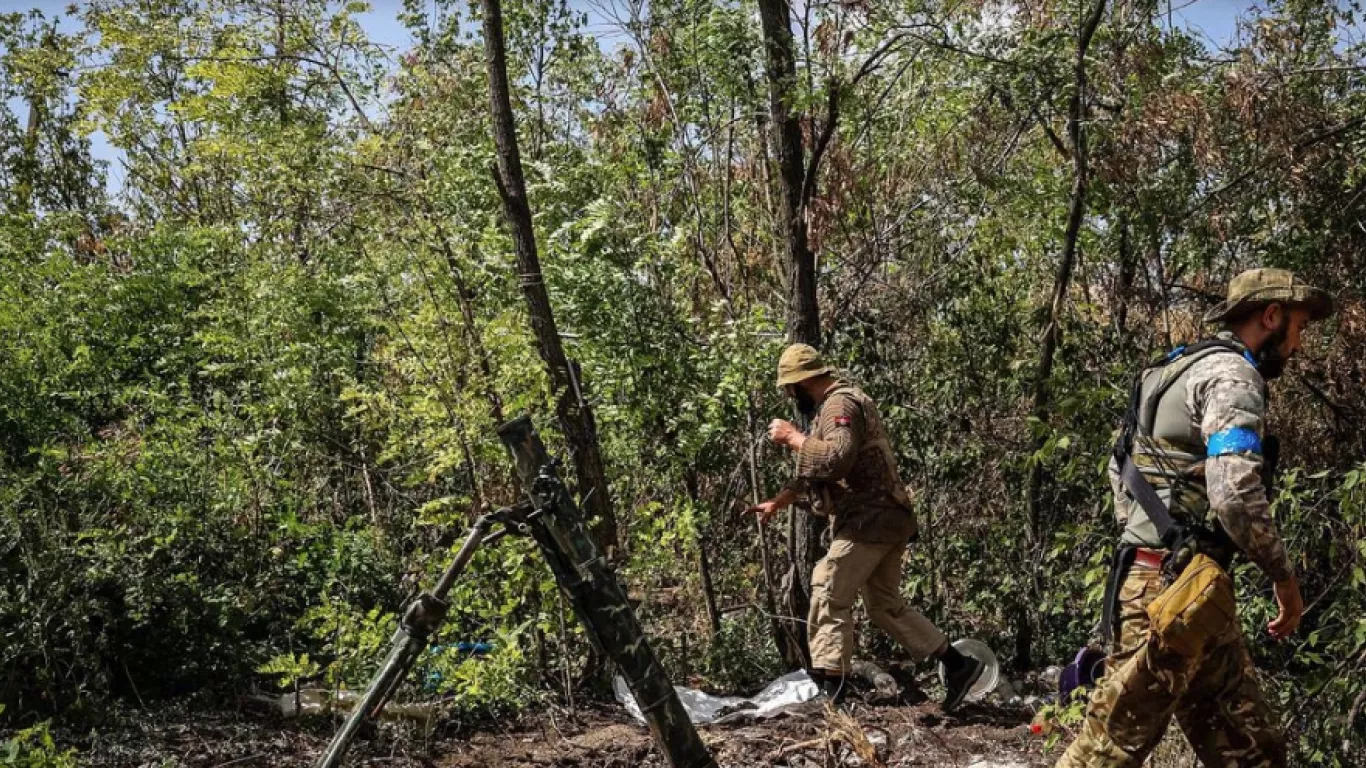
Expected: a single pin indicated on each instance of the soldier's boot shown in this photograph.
(833, 685)
(960, 672)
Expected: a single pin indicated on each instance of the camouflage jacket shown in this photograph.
(1226, 396)
(846, 470)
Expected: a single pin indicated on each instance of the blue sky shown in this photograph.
(1212, 20)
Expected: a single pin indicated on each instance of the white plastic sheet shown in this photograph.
(703, 708)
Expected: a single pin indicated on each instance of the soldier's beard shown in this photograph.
(1270, 362)
(806, 405)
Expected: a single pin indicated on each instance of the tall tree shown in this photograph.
(1076, 209)
(45, 161)
(570, 390)
(803, 312)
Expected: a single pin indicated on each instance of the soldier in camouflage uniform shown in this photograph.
(1200, 447)
(846, 471)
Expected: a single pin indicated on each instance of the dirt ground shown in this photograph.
(869, 736)
(601, 737)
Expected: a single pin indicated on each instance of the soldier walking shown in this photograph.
(846, 471)
(1190, 475)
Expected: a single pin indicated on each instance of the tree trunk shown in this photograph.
(570, 391)
(803, 314)
(703, 564)
(1124, 285)
(1034, 534)
(788, 635)
(27, 182)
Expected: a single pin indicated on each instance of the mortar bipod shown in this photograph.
(423, 617)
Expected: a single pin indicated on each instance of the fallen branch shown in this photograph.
(1355, 710)
(800, 746)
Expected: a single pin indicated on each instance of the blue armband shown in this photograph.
(1234, 440)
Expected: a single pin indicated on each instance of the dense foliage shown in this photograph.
(247, 401)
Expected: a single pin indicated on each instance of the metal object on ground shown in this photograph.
(991, 668)
(552, 519)
(422, 618)
(884, 685)
(317, 701)
(598, 600)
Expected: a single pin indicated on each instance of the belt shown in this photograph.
(1149, 558)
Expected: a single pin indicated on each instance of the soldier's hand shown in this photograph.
(1291, 606)
(783, 432)
(765, 510)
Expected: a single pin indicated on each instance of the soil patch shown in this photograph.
(600, 736)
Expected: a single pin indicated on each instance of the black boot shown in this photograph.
(834, 686)
(960, 672)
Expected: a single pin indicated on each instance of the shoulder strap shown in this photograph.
(842, 388)
(1182, 358)
(1147, 498)
(845, 389)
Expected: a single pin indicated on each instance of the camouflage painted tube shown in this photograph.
(599, 600)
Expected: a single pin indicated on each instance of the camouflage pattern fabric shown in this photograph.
(598, 598)
(1214, 697)
(851, 567)
(1141, 586)
(1223, 391)
(1226, 392)
(845, 472)
(1257, 287)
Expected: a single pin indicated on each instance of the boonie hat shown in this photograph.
(1257, 287)
(800, 362)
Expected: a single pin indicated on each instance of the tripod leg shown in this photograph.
(422, 618)
(405, 649)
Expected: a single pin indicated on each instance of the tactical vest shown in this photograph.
(875, 437)
(872, 429)
(1167, 445)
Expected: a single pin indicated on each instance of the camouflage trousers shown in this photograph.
(1214, 697)
(851, 568)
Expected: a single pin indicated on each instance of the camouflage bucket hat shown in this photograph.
(1257, 287)
(800, 362)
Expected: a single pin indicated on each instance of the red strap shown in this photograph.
(1149, 558)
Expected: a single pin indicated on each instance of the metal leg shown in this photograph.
(422, 618)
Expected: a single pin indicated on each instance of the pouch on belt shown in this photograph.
(1196, 609)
